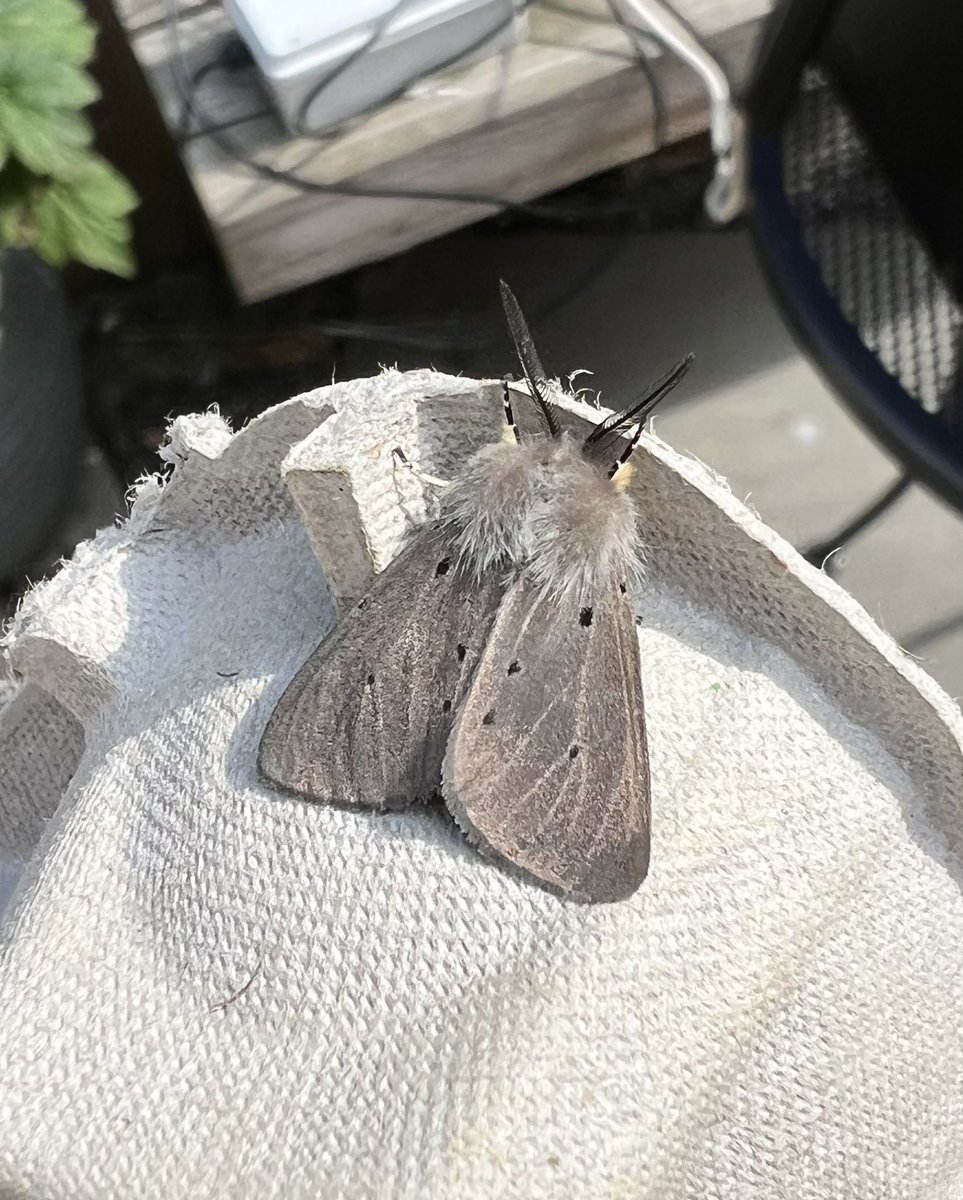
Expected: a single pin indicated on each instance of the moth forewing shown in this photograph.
(547, 766)
(366, 720)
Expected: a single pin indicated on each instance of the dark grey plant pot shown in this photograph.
(41, 409)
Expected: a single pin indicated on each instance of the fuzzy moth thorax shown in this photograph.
(487, 506)
(582, 530)
(542, 506)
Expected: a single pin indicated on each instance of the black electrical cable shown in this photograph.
(378, 31)
(635, 37)
(450, 334)
(219, 135)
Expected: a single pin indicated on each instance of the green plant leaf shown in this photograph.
(51, 237)
(85, 221)
(103, 189)
(58, 27)
(46, 142)
(32, 79)
(56, 194)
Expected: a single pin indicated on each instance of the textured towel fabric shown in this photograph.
(209, 989)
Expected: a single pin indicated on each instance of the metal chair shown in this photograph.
(836, 155)
(854, 200)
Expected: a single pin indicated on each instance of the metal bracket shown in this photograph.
(725, 197)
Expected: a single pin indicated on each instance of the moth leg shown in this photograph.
(422, 476)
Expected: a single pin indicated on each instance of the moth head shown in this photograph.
(607, 445)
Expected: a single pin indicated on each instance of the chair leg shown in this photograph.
(821, 555)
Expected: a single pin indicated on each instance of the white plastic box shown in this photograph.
(297, 44)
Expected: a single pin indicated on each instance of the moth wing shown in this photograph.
(547, 765)
(366, 719)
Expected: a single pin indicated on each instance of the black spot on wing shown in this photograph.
(461, 651)
(585, 617)
(514, 667)
(489, 717)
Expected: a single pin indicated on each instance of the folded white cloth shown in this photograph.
(211, 989)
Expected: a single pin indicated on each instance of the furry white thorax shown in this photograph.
(543, 508)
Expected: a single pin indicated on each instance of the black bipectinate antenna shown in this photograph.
(528, 357)
(604, 439)
(602, 443)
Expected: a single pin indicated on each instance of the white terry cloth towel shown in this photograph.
(210, 989)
